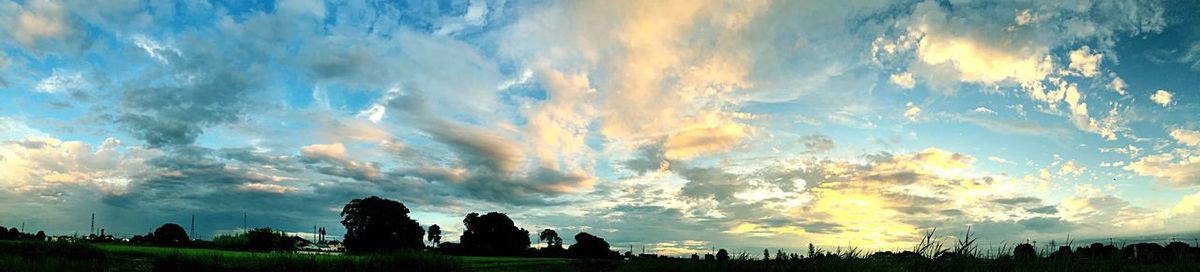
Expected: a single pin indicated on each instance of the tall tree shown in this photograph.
(375, 224)
(435, 234)
(551, 238)
(722, 255)
(493, 234)
(170, 234)
(589, 246)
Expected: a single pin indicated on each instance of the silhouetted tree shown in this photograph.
(722, 255)
(695, 257)
(148, 238)
(493, 234)
(1144, 251)
(551, 238)
(1024, 252)
(40, 236)
(435, 234)
(766, 255)
(589, 246)
(170, 234)
(709, 257)
(375, 224)
(267, 239)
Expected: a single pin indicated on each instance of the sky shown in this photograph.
(677, 125)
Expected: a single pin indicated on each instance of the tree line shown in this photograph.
(16, 234)
(375, 225)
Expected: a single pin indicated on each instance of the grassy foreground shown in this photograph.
(61, 256)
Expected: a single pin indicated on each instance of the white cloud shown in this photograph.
(40, 19)
(1162, 97)
(1178, 170)
(700, 141)
(947, 44)
(155, 49)
(1084, 62)
(912, 112)
(650, 83)
(1024, 17)
(331, 152)
(267, 187)
(62, 81)
(1186, 137)
(559, 126)
(1189, 205)
(904, 80)
(1071, 168)
(1117, 84)
(984, 110)
(39, 163)
(1130, 150)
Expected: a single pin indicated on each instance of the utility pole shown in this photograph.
(193, 232)
(244, 229)
(93, 224)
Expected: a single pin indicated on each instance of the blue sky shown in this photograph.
(679, 124)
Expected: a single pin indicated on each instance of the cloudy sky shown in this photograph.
(677, 124)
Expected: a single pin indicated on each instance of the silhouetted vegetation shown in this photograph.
(375, 224)
(170, 234)
(590, 246)
(435, 234)
(492, 234)
(553, 246)
(385, 238)
(259, 239)
(16, 234)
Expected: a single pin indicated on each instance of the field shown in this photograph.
(61, 256)
(47, 256)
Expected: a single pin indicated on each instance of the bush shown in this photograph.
(51, 256)
(259, 239)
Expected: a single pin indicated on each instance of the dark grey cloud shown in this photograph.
(1051, 209)
(648, 158)
(220, 90)
(714, 183)
(210, 183)
(495, 166)
(1018, 200)
(30, 144)
(809, 225)
(817, 143)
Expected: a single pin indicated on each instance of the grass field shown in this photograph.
(47, 256)
(61, 256)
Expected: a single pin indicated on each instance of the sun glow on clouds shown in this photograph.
(671, 119)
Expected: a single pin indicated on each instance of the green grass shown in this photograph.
(46, 256)
(514, 263)
(61, 256)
